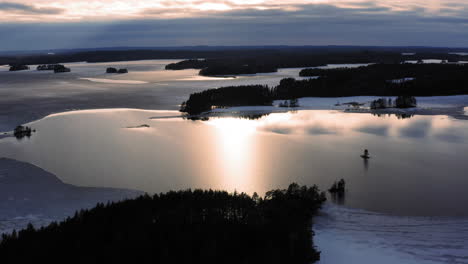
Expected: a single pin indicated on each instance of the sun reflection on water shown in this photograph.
(236, 147)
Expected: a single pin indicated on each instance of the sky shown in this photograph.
(60, 24)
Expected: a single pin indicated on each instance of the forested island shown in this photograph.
(402, 101)
(227, 97)
(19, 67)
(23, 131)
(115, 70)
(373, 80)
(179, 227)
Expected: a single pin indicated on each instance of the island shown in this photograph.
(57, 68)
(190, 226)
(19, 67)
(402, 80)
(23, 131)
(115, 70)
(403, 101)
(60, 68)
(47, 67)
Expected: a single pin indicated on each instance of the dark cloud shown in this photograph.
(308, 25)
(29, 9)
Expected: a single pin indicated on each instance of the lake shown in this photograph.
(29, 95)
(417, 167)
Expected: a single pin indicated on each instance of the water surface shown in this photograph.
(418, 165)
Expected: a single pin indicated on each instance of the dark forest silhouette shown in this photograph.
(237, 60)
(179, 227)
(265, 61)
(115, 70)
(374, 80)
(227, 97)
(18, 67)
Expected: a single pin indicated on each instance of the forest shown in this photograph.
(191, 226)
(373, 80)
(265, 62)
(238, 60)
(227, 97)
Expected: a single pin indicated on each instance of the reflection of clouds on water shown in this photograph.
(450, 135)
(317, 130)
(416, 129)
(334, 122)
(379, 130)
(283, 131)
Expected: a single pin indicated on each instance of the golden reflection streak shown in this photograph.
(235, 145)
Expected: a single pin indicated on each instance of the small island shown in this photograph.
(19, 67)
(403, 101)
(23, 131)
(60, 68)
(47, 67)
(115, 70)
(57, 68)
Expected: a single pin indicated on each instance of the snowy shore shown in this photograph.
(354, 236)
(453, 106)
(29, 194)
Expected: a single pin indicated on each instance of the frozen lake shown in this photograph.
(405, 205)
(29, 95)
(415, 161)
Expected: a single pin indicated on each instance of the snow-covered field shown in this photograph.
(356, 236)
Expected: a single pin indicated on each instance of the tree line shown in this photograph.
(264, 62)
(227, 97)
(191, 226)
(404, 80)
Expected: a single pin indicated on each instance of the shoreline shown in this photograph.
(452, 106)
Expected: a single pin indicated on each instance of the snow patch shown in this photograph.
(345, 235)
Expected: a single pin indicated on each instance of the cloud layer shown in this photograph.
(61, 10)
(80, 24)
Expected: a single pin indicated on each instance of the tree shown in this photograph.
(405, 101)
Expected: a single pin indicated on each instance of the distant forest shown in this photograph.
(373, 80)
(238, 60)
(179, 227)
(271, 62)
